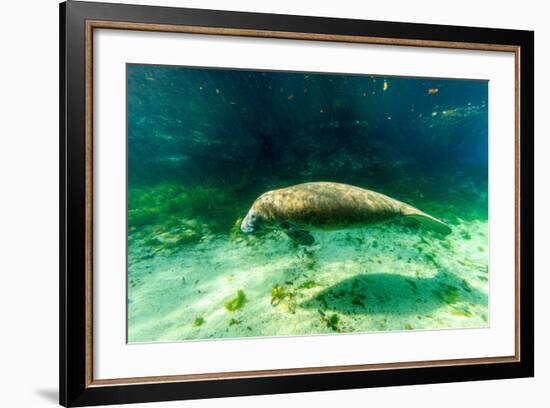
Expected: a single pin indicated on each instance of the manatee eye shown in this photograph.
(252, 217)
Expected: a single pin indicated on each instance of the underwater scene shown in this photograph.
(274, 203)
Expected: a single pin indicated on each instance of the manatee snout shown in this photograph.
(250, 222)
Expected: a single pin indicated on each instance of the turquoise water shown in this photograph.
(203, 144)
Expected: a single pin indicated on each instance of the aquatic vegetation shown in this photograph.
(449, 294)
(199, 321)
(461, 311)
(465, 285)
(466, 235)
(182, 237)
(424, 241)
(138, 217)
(233, 322)
(237, 302)
(432, 257)
(308, 284)
(331, 321)
(235, 229)
(166, 204)
(152, 242)
(278, 293)
(289, 307)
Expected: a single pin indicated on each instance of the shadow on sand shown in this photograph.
(385, 293)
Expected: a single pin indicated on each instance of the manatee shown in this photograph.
(319, 206)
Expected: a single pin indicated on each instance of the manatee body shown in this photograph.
(328, 206)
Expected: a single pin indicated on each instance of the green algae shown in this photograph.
(278, 293)
(235, 231)
(432, 257)
(290, 306)
(466, 235)
(465, 285)
(424, 241)
(139, 217)
(165, 204)
(449, 294)
(308, 284)
(199, 321)
(332, 321)
(152, 242)
(461, 311)
(237, 302)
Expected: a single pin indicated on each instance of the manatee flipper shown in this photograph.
(300, 236)
(428, 222)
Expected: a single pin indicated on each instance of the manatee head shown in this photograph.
(250, 223)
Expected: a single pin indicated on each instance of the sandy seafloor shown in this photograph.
(380, 278)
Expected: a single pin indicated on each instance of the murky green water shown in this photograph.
(203, 144)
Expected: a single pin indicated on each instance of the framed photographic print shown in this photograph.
(255, 203)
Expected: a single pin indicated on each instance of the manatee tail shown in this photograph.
(427, 221)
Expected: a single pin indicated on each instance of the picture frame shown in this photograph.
(79, 21)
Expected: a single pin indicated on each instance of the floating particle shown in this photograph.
(434, 113)
(386, 85)
(433, 91)
(290, 97)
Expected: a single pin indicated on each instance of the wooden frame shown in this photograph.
(77, 385)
